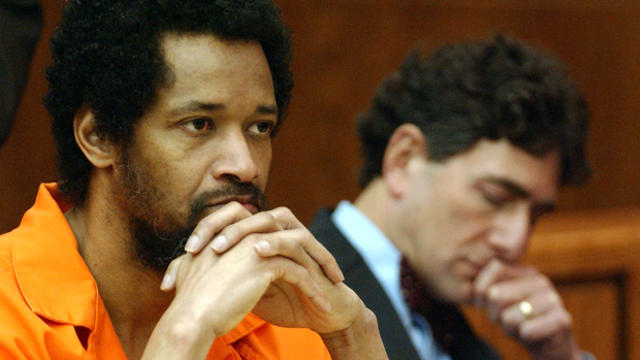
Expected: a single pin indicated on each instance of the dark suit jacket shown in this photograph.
(460, 342)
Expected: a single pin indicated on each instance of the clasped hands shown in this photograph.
(268, 263)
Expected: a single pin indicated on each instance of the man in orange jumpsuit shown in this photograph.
(163, 115)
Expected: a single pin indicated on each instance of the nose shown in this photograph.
(511, 232)
(236, 161)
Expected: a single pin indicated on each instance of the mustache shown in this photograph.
(171, 244)
(254, 196)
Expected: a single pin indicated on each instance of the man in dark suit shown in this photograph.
(463, 151)
(20, 25)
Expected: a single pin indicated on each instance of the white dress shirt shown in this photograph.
(383, 259)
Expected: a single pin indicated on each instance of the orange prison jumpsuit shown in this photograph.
(50, 307)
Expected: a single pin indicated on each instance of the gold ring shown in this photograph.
(525, 309)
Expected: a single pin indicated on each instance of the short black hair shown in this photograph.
(477, 90)
(107, 55)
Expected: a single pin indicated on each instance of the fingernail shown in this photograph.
(193, 243)
(341, 275)
(493, 292)
(167, 282)
(262, 246)
(219, 243)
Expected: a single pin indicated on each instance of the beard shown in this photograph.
(159, 234)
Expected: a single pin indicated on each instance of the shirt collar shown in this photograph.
(50, 272)
(248, 325)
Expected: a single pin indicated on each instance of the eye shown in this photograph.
(495, 195)
(198, 125)
(493, 199)
(262, 127)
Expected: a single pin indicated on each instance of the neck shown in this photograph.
(372, 202)
(131, 293)
(377, 204)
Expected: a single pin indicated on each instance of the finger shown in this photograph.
(285, 218)
(262, 222)
(300, 245)
(512, 290)
(512, 318)
(495, 271)
(508, 292)
(325, 259)
(545, 326)
(314, 248)
(214, 223)
(489, 274)
(169, 279)
(299, 277)
(285, 243)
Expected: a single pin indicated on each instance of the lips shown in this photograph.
(247, 195)
(468, 268)
(480, 258)
(248, 202)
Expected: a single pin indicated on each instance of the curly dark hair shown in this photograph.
(480, 89)
(107, 55)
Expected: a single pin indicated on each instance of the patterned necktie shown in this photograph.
(440, 316)
(448, 326)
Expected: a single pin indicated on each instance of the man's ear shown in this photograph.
(406, 145)
(97, 149)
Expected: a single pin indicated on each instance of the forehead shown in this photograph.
(500, 160)
(208, 67)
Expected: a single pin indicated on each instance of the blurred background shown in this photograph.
(344, 48)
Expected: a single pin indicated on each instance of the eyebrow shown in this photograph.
(196, 105)
(519, 191)
(267, 109)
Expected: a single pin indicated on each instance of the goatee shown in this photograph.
(157, 245)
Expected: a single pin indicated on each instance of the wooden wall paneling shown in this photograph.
(631, 316)
(595, 330)
(343, 49)
(27, 158)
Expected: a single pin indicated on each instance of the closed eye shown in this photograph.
(496, 195)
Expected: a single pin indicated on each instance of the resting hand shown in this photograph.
(223, 229)
(526, 305)
(277, 234)
(215, 292)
